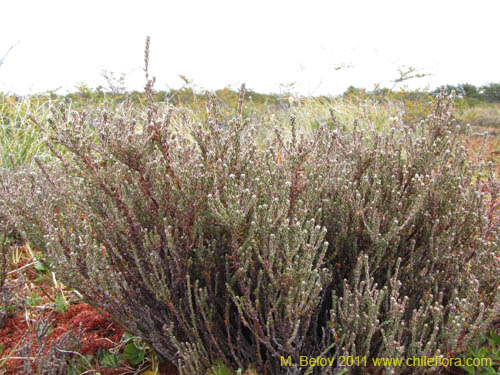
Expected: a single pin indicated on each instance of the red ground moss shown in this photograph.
(98, 333)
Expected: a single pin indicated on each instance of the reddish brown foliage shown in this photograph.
(98, 332)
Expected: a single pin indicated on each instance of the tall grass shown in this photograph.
(20, 140)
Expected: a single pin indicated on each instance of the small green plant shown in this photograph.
(80, 365)
(34, 300)
(488, 349)
(41, 270)
(219, 368)
(40, 267)
(108, 359)
(61, 305)
(134, 354)
(135, 350)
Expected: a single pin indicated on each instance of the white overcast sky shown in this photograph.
(58, 44)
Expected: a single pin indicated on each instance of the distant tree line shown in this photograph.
(471, 94)
(487, 93)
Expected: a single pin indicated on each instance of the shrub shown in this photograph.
(215, 250)
(5, 290)
(8, 288)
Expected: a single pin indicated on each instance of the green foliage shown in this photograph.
(489, 348)
(135, 350)
(474, 95)
(107, 359)
(469, 91)
(41, 270)
(134, 354)
(491, 92)
(34, 299)
(40, 267)
(79, 365)
(61, 306)
(219, 368)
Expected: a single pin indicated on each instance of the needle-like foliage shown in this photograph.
(211, 247)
